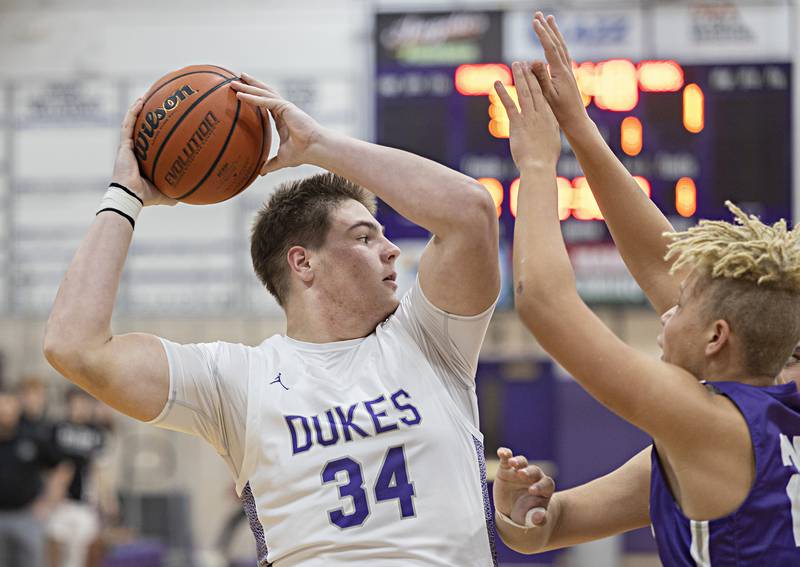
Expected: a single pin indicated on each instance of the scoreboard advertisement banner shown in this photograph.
(693, 134)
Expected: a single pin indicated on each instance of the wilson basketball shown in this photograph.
(195, 140)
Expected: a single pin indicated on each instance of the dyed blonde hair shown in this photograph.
(750, 276)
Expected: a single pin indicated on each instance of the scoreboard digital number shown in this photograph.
(692, 135)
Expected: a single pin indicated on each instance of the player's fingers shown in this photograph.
(248, 79)
(504, 453)
(536, 516)
(276, 105)
(505, 98)
(519, 462)
(126, 130)
(544, 487)
(551, 20)
(523, 92)
(241, 87)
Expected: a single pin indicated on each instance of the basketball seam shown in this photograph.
(178, 123)
(165, 83)
(233, 75)
(219, 155)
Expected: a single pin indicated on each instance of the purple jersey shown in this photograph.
(765, 530)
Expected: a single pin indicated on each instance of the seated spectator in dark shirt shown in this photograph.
(25, 494)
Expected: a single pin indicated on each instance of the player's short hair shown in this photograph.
(749, 275)
(298, 214)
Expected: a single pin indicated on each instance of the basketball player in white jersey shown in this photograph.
(337, 433)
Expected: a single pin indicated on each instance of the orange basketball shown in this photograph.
(195, 140)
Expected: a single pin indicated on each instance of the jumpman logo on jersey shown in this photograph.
(278, 380)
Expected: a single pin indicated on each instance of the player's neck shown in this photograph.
(736, 373)
(326, 323)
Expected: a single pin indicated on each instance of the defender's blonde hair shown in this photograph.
(751, 278)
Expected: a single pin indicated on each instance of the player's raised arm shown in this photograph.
(634, 221)
(631, 384)
(128, 372)
(532, 518)
(459, 270)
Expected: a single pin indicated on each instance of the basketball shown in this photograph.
(195, 140)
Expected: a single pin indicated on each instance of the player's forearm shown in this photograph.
(542, 269)
(427, 193)
(635, 222)
(81, 315)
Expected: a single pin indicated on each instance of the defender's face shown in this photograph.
(683, 336)
(791, 370)
(356, 266)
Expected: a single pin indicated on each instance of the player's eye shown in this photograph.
(364, 239)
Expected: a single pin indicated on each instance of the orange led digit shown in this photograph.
(565, 197)
(693, 111)
(498, 125)
(685, 197)
(585, 77)
(631, 136)
(473, 80)
(513, 196)
(616, 85)
(643, 183)
(584, 205)
(660, 76)
(495, 189)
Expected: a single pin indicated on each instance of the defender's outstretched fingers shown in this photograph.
(551, 52)
(553, 38)
(508, 102)
(523, 91)
(542, 76)
(534, 87)
(561, 41)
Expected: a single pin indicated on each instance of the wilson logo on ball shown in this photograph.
(152, 120)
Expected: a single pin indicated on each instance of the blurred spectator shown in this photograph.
(74, 524)
(32, 393)
(25, 498)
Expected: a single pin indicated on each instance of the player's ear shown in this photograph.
(720, 336)
(299, 263)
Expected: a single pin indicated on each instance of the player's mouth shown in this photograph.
(391, 279)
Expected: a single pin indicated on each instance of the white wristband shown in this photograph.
(528, 518)
(122, 201)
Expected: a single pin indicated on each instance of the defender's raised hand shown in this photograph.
(534, 136)
(522, 491)
(126, 168)
(558, 84)
(297, 130)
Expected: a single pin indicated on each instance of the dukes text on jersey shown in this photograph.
(344, 424)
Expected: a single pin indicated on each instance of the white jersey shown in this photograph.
(359, 451)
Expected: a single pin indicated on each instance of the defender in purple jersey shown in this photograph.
(722, 486)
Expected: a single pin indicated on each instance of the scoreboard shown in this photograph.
(693, 135)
